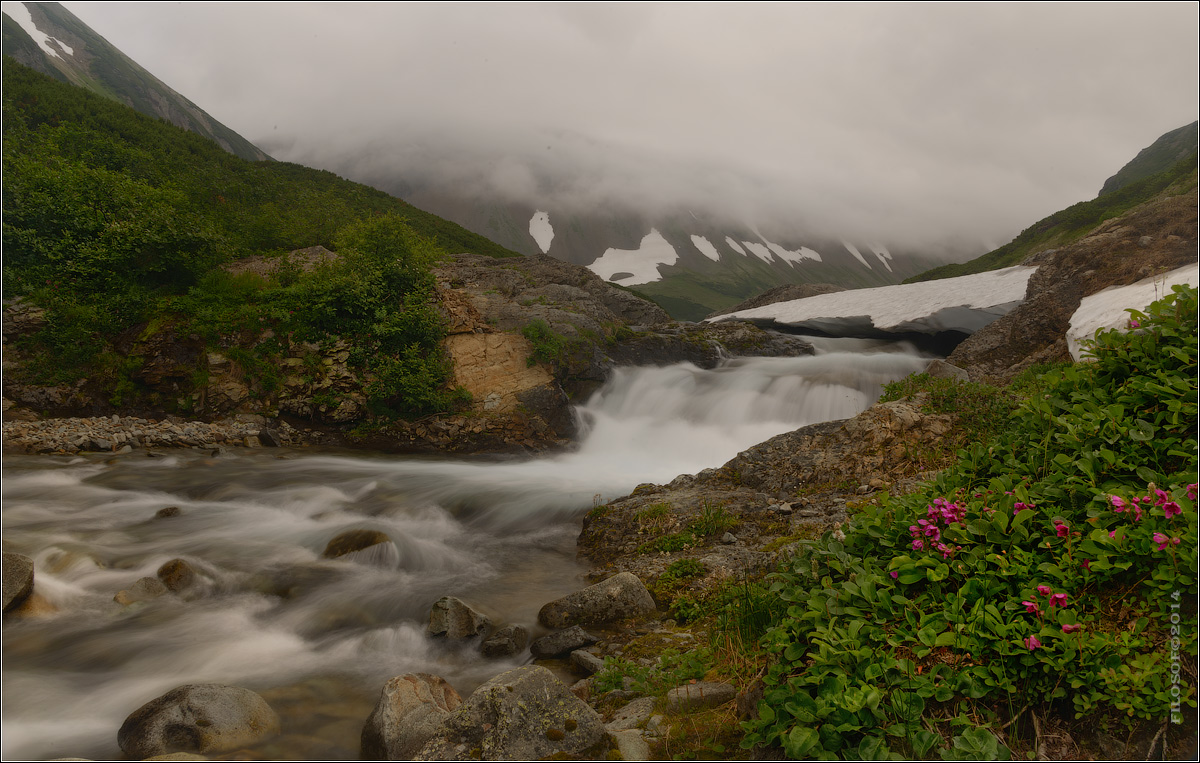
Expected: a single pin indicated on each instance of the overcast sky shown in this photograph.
(904, 122)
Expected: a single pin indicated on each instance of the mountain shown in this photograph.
(1137, 183)
(691, 258)
(1158, 157)
(50, 39)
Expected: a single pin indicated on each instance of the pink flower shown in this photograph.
(918, 544)
(1087, 564)
(1133, 324)
(1191, 491)
(1112, 533)
(1032, 643)
(1069, 628)
(894, 574)
(1118, 503)
(1031, 607)
(1061, 529)
(1044, 590)
(1058, 600)
(1170, 509)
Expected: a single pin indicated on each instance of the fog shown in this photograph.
(908, 124)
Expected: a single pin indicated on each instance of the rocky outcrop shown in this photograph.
(1155, 237)
(561, 642)
(197, 718)
(524, 714)
(410, 710)
(505, 642)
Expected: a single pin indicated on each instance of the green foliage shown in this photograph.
(1054, 565)
(548, 345)
(669, 542)
(671, 669)
(113, 221)
(713, 520)
(981, 410)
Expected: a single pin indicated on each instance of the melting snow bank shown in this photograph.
(1106, 309)
(628, 267)
(965, 304)
(541, 230)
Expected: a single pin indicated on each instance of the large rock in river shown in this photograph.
(454, 618)
(620, 596)
(18, 579)
(200, 718)
(411, 708)
(524, 714)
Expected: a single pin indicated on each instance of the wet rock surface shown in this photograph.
(198, 718)
(455, 619)
(18, 579)
(410, 710)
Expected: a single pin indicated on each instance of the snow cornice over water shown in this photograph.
(965, 304)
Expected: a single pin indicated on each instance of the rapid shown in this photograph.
(319, 637)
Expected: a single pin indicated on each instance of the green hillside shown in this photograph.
(1076, 220)
(1158, 157)
(118, 225)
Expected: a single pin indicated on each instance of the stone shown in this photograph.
(455, 619)
(523, 714)
(632, 715)
(269, 438)
(631, 744)
(561, 642)
(618, 597)
(586, 661)
(177, 575)
(353, 540)
(509, 640)
(940, 369)
(18, 579)
(197, 718)
(169, 511)
(701, 694)
(143, 589)
(728, 539)
(411, 707)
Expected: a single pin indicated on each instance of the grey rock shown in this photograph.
(411, 707)
(728, 538)
(631, 744)
(18, 579)
(940, 369)
(455, 619)
(632, 715)
(269, 438)
(621, 596)
(198, 718)
(561, 642)
(524, 714)
(505, 642)
(350, 541)
(586, 661)
(699, 695)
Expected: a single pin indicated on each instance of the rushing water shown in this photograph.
(499, 534)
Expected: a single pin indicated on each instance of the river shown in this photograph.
(499, 534)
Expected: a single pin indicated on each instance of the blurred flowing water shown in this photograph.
(317, 637)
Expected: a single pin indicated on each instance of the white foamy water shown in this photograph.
(270, 613)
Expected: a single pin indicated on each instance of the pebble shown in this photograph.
(121, 434)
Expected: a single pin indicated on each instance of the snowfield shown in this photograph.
(966, 304)
(1106, 309)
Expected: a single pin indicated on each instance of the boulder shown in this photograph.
(621, 596)
(411, 707)
(586, 661)
(524, 714)
(198, 718)
(631, 744)
(632, 715)
(940, 369)
(177, 575)
(561, 642)
(372, 547)
(143, 589)
(18, 579)
(509, 640)
(454, 618)
(699, 695)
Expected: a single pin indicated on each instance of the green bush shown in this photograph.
(548, 345)
(1053, 567)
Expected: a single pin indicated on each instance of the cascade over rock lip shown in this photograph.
(964, 304)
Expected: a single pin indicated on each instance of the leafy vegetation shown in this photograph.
(1075, 221)
(119, 225)
(548, 345)
(1052, 569)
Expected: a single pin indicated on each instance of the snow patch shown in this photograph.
(857, 254)
(1106, 309)
(638, 265)
(793, 256)
(541, 230)
(20, 14)
(966, 304)
(735, 246)
(759, 251)
(884, 255)
(706, 248)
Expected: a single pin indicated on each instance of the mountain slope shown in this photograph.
(1159, 156)
(1077, 220)
(68, 50)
